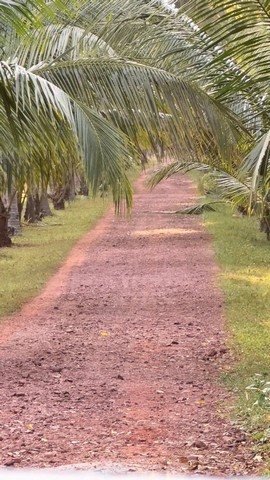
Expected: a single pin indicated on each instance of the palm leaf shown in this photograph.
(228, 186)
(40, 116)
(257, 165)
(199, 209)
(58, 41)
(174, 168)
(238, 30)
(231, 188)
(17, 14)
(140, 92)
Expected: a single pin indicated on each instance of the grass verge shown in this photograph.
(243, 254)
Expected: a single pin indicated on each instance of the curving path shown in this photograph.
(117, 361)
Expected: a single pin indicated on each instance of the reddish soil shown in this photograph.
(117, 361)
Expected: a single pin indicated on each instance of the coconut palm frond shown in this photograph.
(226, 186)
(226, 21)
(40, 116)
(231, 188)
(256, 165)
(142, 93)
(174, 168)
(198, 55)
(132, 25)
(118, 12)
(199, 209)
(238, 30)
(18, 121)
(58, 41)
(257, 160)
(106, 154)
(13, 13)
(18, 14)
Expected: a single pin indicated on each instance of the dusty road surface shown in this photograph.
(117, 361)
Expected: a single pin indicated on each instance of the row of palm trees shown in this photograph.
(94, 85)
(227, 52)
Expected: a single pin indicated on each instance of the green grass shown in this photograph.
(243, 254)
(36, 255)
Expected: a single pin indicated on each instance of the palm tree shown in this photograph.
(36, 115)
(226, 49)
(78, 81)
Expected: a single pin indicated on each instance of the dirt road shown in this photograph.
(117, 361)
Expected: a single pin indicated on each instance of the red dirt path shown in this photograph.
(117, 361)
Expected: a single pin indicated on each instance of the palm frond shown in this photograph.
(14, 12)
(18, 14)
(231, 188)
(199, 209)
(255, 160)
(57, 41)
(227, 186)
(106, 154)
(238, 31)
(256, 165)
(174, 168)
(39, 116)
(141, 92)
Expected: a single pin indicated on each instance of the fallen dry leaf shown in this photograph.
(103, 333)
(29, 427)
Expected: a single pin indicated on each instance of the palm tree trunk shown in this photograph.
(30, 214)
(70, 193)
(4, 237)
(44, 205)
(58, 198)
(37, 206)
(14, 216)
(83, 186)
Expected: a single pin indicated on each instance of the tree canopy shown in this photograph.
(97, 82)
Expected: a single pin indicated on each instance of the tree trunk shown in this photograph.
(58, 198)
(30, 215)
(20, 200)
(59, 204)
(83, 188)
(70, 193)
(4, 237)
(44, 205)
(14, 216)
(37, 207)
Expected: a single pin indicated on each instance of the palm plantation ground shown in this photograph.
(116, 364)
(90, 89)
